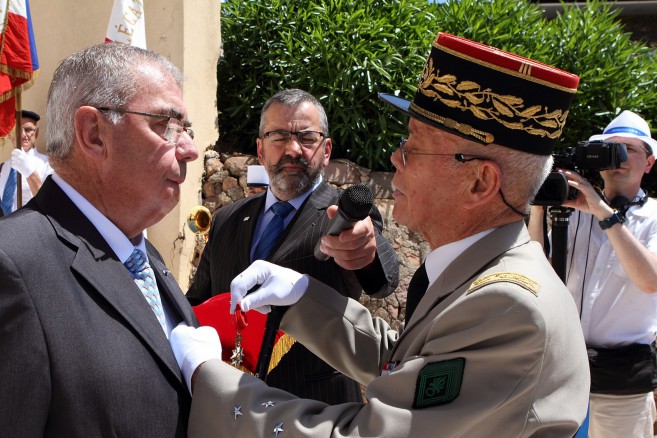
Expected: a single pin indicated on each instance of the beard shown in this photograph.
(293, 184)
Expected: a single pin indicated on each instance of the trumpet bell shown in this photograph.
(199, 220)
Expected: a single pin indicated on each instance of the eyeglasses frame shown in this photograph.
(460, 157)
(323, 136)
(185, 125)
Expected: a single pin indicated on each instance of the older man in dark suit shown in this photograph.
(294, 147)
(86, 303)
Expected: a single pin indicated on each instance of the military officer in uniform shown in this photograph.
(494, 346)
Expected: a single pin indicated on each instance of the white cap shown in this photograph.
(256, 175)
(628, 124)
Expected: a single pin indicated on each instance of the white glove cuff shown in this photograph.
(193, 346)
(299, 288)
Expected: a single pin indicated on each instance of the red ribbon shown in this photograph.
(240, 318)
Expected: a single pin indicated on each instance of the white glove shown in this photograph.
(280, 287)
(193, 346)
(22, 163)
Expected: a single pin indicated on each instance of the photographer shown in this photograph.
(612, 275)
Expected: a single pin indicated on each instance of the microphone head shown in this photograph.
(356, 202)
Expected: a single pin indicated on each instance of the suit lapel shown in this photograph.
(101, 270)
(309, 216)
(245, 228)
(465, 267)
(169, 289)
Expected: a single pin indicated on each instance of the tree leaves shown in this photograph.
(346, 52)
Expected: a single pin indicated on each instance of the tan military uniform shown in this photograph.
(494, 348)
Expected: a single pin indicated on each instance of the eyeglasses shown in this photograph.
(175, 126)
(307, 139)
(29, 130)
(638, 149)
(463, 158)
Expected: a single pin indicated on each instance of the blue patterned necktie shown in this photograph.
(274, 230)
(8, 194)
(143, 275)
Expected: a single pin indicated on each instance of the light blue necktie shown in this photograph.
(143, 275)
(8, 194)
(273, 231)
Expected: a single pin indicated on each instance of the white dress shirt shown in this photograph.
(613, 310)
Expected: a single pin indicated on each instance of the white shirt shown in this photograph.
(438, 259)
(120, 244)
(613, 310)
(43, 169)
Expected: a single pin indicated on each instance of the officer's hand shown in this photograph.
(22, 163)
(354, 248)
(192, 347)
(279, 287)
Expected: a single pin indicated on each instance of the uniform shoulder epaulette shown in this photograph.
(508, 277)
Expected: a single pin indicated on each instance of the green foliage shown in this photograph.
(343, 52)
(346, 52)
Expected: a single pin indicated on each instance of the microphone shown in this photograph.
(354, 205)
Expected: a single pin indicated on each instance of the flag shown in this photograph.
(126, 24)
(18, 57)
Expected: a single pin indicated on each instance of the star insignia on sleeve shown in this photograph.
(237, 411)
(278, 429)
(268, 404)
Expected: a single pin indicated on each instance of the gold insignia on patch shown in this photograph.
(508, 277)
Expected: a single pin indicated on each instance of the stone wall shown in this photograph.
(225, 183)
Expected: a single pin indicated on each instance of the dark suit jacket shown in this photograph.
(81, 352)
(227, 253)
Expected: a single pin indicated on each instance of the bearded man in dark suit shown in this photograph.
(294, 146)
(86, 303)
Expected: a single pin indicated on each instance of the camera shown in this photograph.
(587, 157)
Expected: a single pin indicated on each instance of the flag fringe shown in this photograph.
(281, 348)
(24, 86)
(16, 73)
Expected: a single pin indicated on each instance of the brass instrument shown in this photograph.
(199, 220)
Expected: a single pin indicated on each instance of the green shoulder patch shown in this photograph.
(508, 277)
(439, 383)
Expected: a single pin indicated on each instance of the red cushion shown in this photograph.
(215, 312)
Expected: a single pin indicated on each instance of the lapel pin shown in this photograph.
(165, 272)
(246, 218)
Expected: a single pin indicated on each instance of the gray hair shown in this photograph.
(103, 75)
(291, 98)
(523, 174)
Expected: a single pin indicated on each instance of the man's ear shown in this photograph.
(87, 123)
(328, 147)
(651, 162)
(486, 185)
(259, 150)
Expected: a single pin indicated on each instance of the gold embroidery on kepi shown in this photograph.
(485, 104)
(490, 96)
(507, 277)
